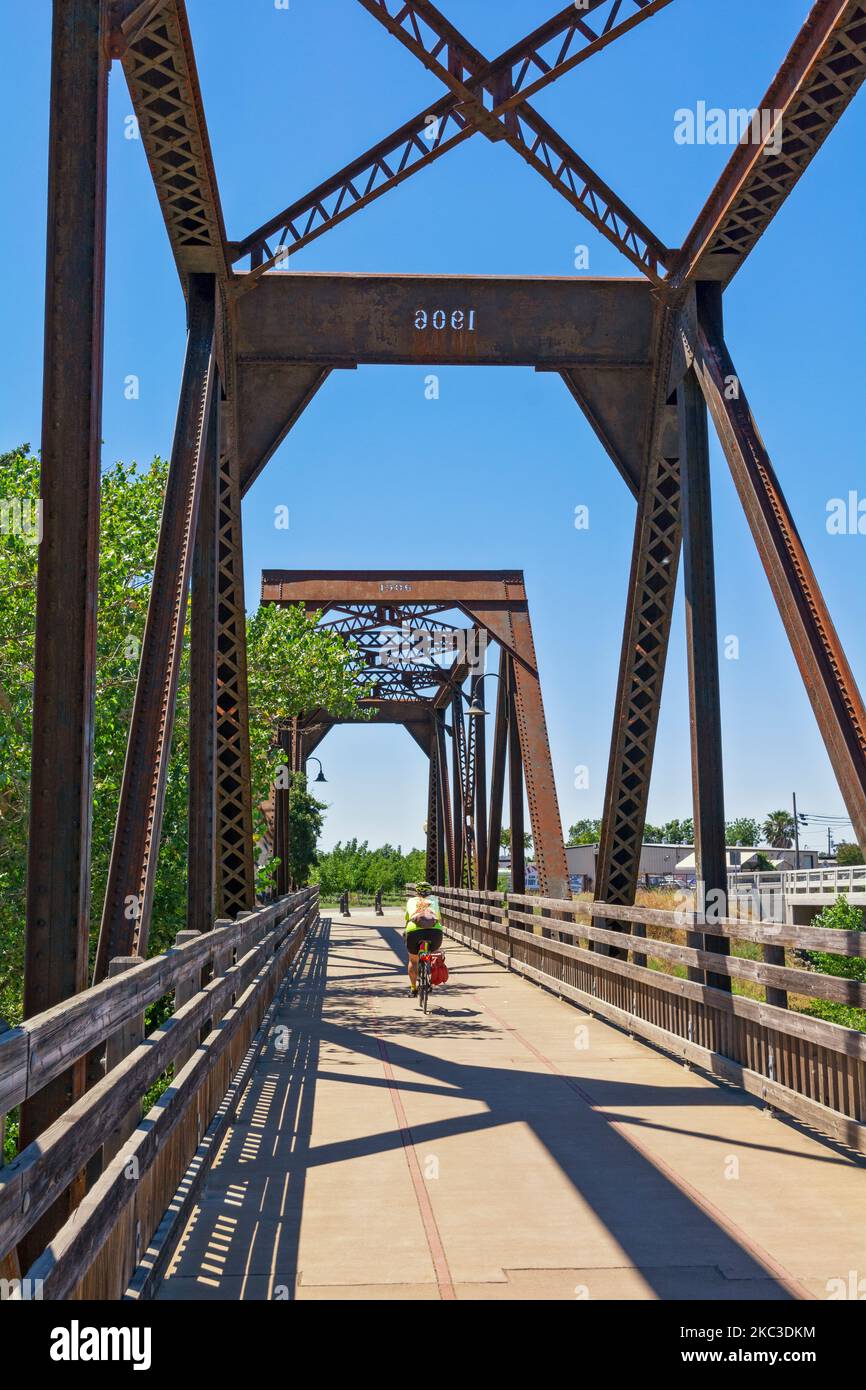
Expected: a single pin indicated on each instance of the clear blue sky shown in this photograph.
(291, 96)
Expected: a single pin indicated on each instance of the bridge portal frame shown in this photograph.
(814, 86)
(496, 604)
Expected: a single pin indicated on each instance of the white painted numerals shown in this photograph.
(458, 320)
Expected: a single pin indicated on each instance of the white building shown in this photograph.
(659, 862)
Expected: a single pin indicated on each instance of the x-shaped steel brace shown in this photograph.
(491, 97)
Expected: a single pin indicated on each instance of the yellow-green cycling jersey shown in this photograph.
(412, 905)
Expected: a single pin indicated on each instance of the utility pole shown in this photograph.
(796, 835)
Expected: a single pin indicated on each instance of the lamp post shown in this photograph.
(321, 777)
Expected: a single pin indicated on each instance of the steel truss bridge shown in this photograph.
(647, 361)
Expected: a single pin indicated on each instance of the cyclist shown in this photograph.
(423, 923)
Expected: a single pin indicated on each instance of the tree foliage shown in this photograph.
(848, 855)
(742, 831)
(505, 839)
(839, 916)
(292, 667)
(778, 828)
(356, 868)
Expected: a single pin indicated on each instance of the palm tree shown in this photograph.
(779, 829)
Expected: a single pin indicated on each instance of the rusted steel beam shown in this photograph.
(201, 890)
(435, 866)
(458, 771)
(515, 789)
(235, 865)
(497, 773)
(555, 47)
(827, 676)
(160, 70)
(61, 789)
(509, 624)
(649, 610)
(445, 820)
(324, 320)
(703, 665)
(479, 804)
(817, 81)
(465, 70)
(521, 71)
(132, 868)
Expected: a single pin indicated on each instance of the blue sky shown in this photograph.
(290, 96)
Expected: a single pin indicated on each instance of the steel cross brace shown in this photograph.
(484, 96)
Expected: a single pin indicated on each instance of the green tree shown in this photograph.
(505, 839)
(839, 916)
(356, 868)
(778, 828)
(678, 832)
(847, 855)
(742, 831)
(131, 503)
(293, 667)
(584, 832)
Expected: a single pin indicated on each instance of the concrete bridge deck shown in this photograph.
(507, 1146)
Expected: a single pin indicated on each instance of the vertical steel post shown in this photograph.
(703, 664)
(497, 772)
(480, 807)
(58, 866)
(445, 798)
(235, 865)
(515, 789)
(457, 803)
(435, 868)
(201, 911)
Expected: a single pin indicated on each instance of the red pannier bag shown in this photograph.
(438, 969)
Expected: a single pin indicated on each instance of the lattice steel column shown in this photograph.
(702, 645)
(478, 731)
(235, 868)
(652, 586)
(201, 891)
(435, 865)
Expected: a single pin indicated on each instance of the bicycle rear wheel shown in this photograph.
(423, 984)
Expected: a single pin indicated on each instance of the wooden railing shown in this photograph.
(223, 983)
(808, 1067)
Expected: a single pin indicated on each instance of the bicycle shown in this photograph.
(425, 983)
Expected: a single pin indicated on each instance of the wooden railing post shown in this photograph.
(118, 1046)
(184, 991)
(9, 1264)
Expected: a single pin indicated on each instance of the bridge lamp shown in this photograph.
(476, 709)
(321, 777)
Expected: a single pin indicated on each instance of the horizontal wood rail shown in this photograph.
(808, 1067)
(223, 982)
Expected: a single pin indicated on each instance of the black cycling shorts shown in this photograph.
(432, 935)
